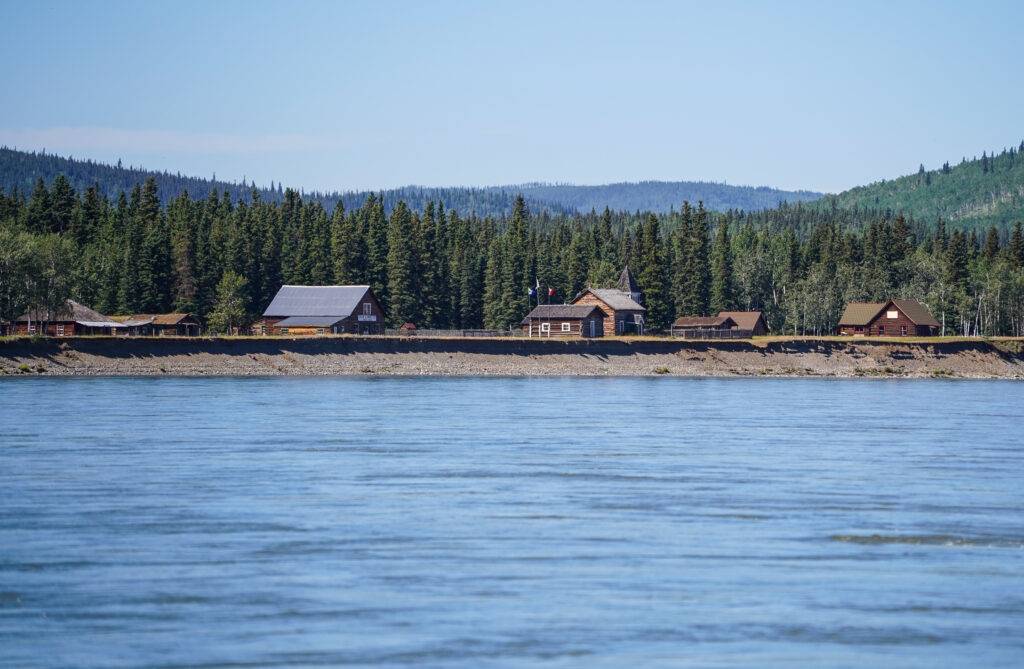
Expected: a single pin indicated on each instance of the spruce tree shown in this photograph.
(39, 213)
(494, 312)
(991, 249)
(721, 271)
(403, 305)
(376, 248)
(63, 205)
(1016, 245)
(652, 275)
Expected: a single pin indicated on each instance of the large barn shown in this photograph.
(622, 305)
(895, 318)
(320, 310)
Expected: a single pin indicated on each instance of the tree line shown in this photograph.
(224, 259)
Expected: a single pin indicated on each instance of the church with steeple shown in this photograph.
(622, 306)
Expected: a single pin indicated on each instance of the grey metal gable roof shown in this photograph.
(338, 301)
(616, 299)
(308, 321)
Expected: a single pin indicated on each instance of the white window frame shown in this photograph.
(566, 327)
(545, 327)
(31, 328)
(60, 329)
(892, 314)
(367, 308)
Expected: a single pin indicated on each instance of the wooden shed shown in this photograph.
(161, 325)
(564, 320)
(895, 318)
(751, 321)
(320, 310)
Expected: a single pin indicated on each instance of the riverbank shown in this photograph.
(273, 356)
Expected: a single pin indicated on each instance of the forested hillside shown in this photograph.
(20, 170)
(973, 194)
(224, 259)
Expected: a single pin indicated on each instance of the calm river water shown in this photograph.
(563, 522)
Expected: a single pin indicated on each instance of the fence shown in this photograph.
(710, 333)
(397, 332)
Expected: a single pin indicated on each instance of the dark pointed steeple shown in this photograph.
(628, 285)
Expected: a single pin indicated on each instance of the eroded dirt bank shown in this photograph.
(455, 357)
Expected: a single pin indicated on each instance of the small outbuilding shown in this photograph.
(705, 327)
(564, 320)
(749, 321)
(321, 310)
(161, 325)
(895, 318)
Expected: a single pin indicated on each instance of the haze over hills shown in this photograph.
(20, 169)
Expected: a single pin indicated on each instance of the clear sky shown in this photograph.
(349, 95)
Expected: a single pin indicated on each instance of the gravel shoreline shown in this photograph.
(351, 356)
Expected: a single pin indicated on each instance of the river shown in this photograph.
(556, 522)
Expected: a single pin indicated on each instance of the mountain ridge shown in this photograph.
(20, 169)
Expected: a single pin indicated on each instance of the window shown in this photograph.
(31, 328)
(367, 308)
(860, 329)
(60, 330)
(284, 330)
(903, 330)
(892, 315)
(881, 329)
(545, 327)
(566, 327)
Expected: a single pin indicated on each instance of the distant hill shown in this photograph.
(973, 194)
(20, 169)
(662, 196)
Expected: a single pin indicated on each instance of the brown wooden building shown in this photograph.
(698, 323)
(161, 325)
(895, 318)
(564, 320)
(752, 321)
(321, 310)
(622, 305)
(74, 320)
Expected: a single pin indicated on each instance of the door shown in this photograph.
(593, 328)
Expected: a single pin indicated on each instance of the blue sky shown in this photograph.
(351, 95)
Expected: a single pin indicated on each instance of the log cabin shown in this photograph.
(321, 310)
(753, 321)
(622, 306)
(75, 320)
(895, 318)
(564, 320)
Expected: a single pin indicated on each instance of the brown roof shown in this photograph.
(704, 322)
(745, 320)
(916, 312)
(568, 311)
(862, 313)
